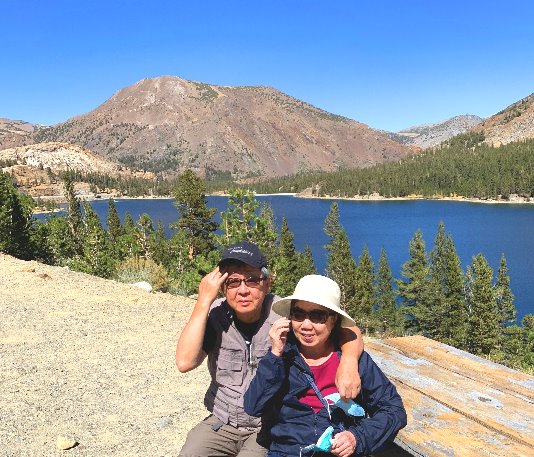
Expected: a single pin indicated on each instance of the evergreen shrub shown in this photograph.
(136, 269)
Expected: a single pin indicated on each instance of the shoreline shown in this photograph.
(379, 198)
(516, 200)
(60, 200)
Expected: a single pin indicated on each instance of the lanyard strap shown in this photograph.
(312, 384)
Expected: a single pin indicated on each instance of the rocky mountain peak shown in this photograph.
(428, 135)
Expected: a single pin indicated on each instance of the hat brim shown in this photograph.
(283, 306)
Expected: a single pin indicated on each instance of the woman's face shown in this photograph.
(305, 317)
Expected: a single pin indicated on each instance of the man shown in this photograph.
(234, 334)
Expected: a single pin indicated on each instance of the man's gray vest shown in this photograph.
(232, 362)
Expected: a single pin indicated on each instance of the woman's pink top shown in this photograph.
(325, 378)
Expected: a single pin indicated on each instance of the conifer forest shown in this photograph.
(471, 310)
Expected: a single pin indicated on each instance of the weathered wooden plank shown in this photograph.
(434, 430)
(457, 404)
(467, 364)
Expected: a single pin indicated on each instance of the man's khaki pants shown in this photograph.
(211, 439)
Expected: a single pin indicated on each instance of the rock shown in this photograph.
(164, 422)
(143, 285)
(65, 442)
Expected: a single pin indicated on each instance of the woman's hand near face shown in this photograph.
(278, 335)
(344, 444)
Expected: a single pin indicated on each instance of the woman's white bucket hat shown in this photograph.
(319, 290)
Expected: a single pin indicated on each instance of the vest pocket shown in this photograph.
(230, 367)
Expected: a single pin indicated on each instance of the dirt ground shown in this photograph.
(91, 360)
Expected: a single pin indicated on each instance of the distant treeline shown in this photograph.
(127, 186)
(463, 166)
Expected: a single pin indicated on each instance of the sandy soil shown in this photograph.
(91, 360)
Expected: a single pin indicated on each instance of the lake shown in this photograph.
(490, 229)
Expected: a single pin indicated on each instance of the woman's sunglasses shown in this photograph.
(316, 316)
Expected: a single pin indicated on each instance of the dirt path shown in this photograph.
(91, 359)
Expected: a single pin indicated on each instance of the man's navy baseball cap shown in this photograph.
(245, 252)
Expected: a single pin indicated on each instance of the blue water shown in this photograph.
(475, 228)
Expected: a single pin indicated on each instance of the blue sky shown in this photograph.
(390, 64)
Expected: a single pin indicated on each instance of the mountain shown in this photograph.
(35, 167)
(168, 123)
(60, 157)
(428, 135)
(515, 123)
(14, 133)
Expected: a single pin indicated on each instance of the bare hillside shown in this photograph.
(172, 123)
(15, 133)
(92, 360)
(35, 167)
(514, 123)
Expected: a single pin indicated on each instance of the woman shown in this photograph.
(295, 382)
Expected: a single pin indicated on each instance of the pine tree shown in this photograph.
(439, 273)
(97, 256)
(332, 225)
(388, 314)
(285, 264)
(305, 263)
(113, 222)
(455, 319)
(340, 265)
(414, 289)
(145, 233)
(483, 330)
(241, 222)
(514, 347)
(265, 235)
(527, 326)
(115, 232)
(15, 220)
(190, 253)
(196, 217)
(59, 245)
(238, 221)
(161, 254)
(186, 273)
(447, 313)
(364, 298)
(75, 217)
(129, 246)
(504, 296)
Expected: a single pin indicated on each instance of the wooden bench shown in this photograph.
(458, 405)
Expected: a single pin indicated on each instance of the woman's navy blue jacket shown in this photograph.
(273, 395)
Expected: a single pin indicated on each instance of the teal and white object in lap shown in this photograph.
(350, 407)
(324, 443)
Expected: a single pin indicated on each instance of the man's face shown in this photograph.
(245, 299)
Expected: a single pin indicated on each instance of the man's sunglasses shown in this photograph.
(316, 316)
(252, 281)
